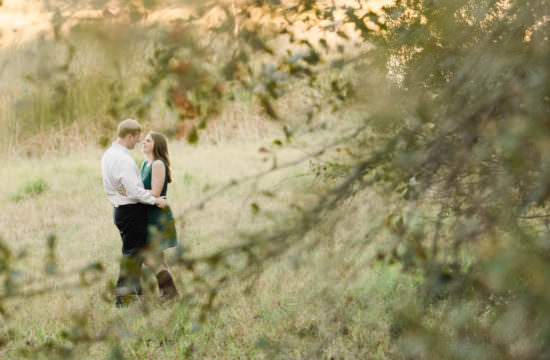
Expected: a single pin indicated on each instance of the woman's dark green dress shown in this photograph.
(161, 224)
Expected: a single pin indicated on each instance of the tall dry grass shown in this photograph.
(43, 108)
(292, 307)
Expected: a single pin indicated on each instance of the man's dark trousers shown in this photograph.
(131, 221)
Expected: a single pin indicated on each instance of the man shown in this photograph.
(124, 189)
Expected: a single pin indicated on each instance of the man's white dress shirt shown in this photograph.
(121, 178)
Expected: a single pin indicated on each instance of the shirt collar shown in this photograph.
(120, 147)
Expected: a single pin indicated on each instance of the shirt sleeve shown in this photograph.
(132, 184)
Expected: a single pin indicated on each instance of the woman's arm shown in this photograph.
(158, 176)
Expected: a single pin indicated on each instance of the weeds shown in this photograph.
(31, 188)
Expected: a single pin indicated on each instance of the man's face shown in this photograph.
(134, 139)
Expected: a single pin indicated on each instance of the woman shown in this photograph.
(156, 174)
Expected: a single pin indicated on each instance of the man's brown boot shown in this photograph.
(167, 288)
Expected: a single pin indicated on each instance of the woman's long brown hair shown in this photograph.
(160, 151)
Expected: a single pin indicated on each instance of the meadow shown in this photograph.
(293, 305)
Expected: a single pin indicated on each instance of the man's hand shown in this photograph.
(122, 190)
(161, 202)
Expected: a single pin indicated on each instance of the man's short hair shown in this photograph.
(128, 126)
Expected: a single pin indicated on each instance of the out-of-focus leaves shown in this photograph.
(90, 273)
(193, 136)
(253, 39)
(51, 259)
(457, 99)
(358, 22)
(268, 107)
(5, 256)
(116, 353)
(149, 4)
(57, 22)
(307, 5)
(99, 3)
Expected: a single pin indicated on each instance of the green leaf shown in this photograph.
(266, 104)
(193, 136)
(337, 64)
(51, 240)
(149, 4)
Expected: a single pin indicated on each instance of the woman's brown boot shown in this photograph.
(167, 288)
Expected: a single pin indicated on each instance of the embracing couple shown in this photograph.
(141, 212)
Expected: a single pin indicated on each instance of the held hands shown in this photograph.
(161, 201)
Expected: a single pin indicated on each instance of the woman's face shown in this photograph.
(148, 144)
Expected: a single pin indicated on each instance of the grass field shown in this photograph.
(304, 301)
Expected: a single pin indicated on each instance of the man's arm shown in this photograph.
(133, 186)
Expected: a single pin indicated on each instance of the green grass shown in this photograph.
(29, 188)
